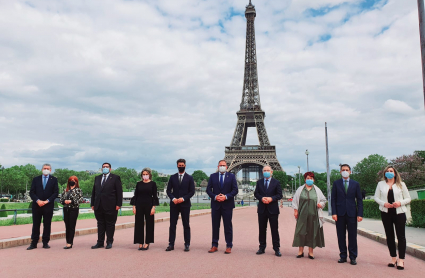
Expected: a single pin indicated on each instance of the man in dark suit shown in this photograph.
(44, 191)
(268, 192)
(222, 189)
(347, 210)
(180, 189)
(106, 200)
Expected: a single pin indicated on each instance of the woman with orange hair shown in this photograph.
(71, 198)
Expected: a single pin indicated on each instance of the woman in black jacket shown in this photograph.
(71, 198)
(144, 201)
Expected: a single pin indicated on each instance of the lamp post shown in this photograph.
(307, 153)
(1, 188)
(421, 13)
(299, 175)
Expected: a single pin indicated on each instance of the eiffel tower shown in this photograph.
(239, 156)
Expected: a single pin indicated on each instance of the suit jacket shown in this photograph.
(109, 195)
(400, 195)
(230, 189)
(350, 203)
(184, 190)
(274, 191)
(49, 193)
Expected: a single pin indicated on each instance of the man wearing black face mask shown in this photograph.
(180, 189)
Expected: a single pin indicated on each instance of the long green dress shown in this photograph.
(308, 231)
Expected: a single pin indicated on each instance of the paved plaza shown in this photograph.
(124, 260)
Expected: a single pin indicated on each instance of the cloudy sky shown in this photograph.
(143, 83)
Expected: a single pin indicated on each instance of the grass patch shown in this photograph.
(81, 216)
(15, 206)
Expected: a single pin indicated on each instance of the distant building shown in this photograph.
(162, 175)
(91, 172)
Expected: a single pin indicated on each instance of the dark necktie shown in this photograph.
(221, 181)
(346, 185)
(266, 185)
(44, 182)
(103, 181)
(180, 179)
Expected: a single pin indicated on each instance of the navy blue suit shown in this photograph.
(268, 213)
(222, 209)
(347, 206)
(46, 212)
(185, 190)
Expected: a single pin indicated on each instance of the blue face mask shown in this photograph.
(389, 175)
(105, 170)
(266, 175)
(309, 182)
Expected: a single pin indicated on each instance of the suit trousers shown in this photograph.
(143, 213)
(174, 217)
(216, 215)
(344, 224)
(38, 213)
(399, 221)
(263, 218)
(70, 216)
(105, 224)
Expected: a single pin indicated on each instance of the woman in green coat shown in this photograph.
(307, 203)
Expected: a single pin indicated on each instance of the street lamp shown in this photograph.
(299, 175)
(307, 153)
(422, 38)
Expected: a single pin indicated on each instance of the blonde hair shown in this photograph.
(397, 176)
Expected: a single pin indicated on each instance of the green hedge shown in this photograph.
(3, 213)
(418, 213)
(4, 200)
(370, 209)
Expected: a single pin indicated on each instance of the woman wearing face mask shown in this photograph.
(71, 198)
(307, 203)
(392, 196)
(144, 201)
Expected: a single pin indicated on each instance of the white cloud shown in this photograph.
(142, 83)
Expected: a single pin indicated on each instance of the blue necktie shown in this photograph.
(221, 181)
(44, 182)
(267, 184)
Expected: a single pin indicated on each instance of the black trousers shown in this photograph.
(70, 216)
(263, 218)
(143, 213)
(174, 217)
(343, 225)
(105, 224)
(391, 220)
(38, 213)
(216, 215)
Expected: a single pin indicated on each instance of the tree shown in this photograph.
(421, 154)
(411, 169)
(129, 177)
(199, 176)
(282, 177)
(366, 171)
(14, 180)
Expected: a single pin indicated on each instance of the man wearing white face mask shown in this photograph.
(44, 190)
(347, 210)
(222, 188)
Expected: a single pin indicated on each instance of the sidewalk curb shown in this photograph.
(412, 249)
(26, 240)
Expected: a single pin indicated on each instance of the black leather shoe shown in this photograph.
(353, 262)
(108, 246)
(68, 247)
(32, 246)
(186, 248)
(310, 257)
(260, 251)
(169, 248)
(300, 256)
(98, 245)
(145, 248)
(277, 253)
(399, 267)
(46, 246)
(340, 261)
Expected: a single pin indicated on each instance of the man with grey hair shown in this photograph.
(44, 191)
(268, 192)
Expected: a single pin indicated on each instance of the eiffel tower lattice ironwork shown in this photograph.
(238, 155)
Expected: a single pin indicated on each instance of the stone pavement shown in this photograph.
(124, 260)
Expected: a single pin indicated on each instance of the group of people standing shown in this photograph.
(308, 203)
